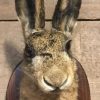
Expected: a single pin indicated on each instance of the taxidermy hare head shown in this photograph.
(47, 53)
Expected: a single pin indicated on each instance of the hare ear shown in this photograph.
(65, 15)
(31, 14)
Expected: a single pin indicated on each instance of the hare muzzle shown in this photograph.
(55, 78)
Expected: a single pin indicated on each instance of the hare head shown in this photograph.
(48, 59)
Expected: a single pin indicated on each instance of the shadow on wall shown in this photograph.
(13, 54)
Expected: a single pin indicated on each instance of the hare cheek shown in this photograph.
(66, 57)
(37, 62)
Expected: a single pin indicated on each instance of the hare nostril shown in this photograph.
(48, 83)
(64, 82)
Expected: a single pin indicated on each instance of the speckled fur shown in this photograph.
(29, 85)
(49, 70)
(29, 91)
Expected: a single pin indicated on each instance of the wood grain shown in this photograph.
(90, 9)
(7, 10)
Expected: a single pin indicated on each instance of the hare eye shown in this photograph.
(68, 45)
(29, 52)
(46, 55)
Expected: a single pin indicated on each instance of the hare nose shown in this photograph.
(55, 80)
(56, 86)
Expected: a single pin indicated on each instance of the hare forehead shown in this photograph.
(47, 37)
(48, 41)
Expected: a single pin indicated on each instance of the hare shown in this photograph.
(50, 71)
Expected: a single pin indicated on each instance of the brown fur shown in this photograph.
(31, 92)
(49, 70)
(54, 68)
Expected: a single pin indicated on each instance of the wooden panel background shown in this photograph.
(85, 46)
(90, 9)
